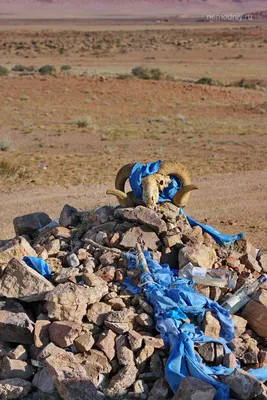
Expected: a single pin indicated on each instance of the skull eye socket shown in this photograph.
(161, 182)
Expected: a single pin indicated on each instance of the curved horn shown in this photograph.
(122, 176)
(175, 168)
(122, 197)
(181, 197)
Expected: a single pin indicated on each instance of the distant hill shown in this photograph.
(131, 7)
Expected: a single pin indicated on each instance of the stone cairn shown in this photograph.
(82, 335)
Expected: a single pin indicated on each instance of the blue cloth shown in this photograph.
(140, 171)
(39, 265)
(174, 301)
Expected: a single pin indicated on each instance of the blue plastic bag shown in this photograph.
(39, 265)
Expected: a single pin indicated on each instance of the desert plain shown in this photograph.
(64, 136)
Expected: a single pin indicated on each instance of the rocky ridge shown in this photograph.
(82, 335)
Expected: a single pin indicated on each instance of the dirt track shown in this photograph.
(229, 202)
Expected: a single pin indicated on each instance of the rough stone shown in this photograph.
(16, 248)
(61, 233)
(140, 386)
(69, 216)
(143, 215)
(207, 351)
(16, 388)
(108, 258)
(43, 381)
(143, 355)
(95, 363)
(243, 385)
(144, 320)
(135, 340)
(22, 282)
(250, 262)
(66, 274)
(156, 364)
(211, 326)
(140, 234)
(194, 235)
(106, 273)
(155, 342)
(29, 224)
(41, 331)
(160, 388)
(93, 280)
(15, 325)
(84, 342)
(69, 301)
(97, 313)
(70, 377)
(194, 389)
(239, 324)
(106, 343)
(19, 353)
(10, 369)
(63, 333)
(122, 380)
(256, 315)
(53, 247)
(199, 255)
(170, 241)
(5, 348)
(71, 261)
(124, 354)
(116, 303)
(118, 327)
(229, 360)
(54, 264)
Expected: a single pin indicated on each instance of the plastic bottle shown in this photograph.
(242, 295)
(209, 276)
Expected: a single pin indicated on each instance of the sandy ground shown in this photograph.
(231, 203)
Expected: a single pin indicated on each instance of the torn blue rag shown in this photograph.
(174, 300)
(39, 265)
(140, 171)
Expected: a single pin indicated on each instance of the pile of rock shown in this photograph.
(82, 335)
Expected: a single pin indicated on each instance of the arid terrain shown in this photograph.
(87, 121)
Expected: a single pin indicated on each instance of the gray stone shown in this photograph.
(207, 351)
(10, 369)
(194, 389)
(97, 313)
(142, 215)
(71, 260)
(63, 333)
(125, 356)
(15, 325)
(43, 381)
(29, 224)
(70, 377)
(18, 247)
(243, 385)
(199, 255)
(69, 301)
(22, 282)
(16, 388)
(122, 380)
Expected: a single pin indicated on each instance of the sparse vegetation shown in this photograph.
(5, 144)
(208, 81)
(148, 73)
(84, 122)
(242, 83)
(23, 68)
(3, 71)
(65, 68)
(47, 70)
